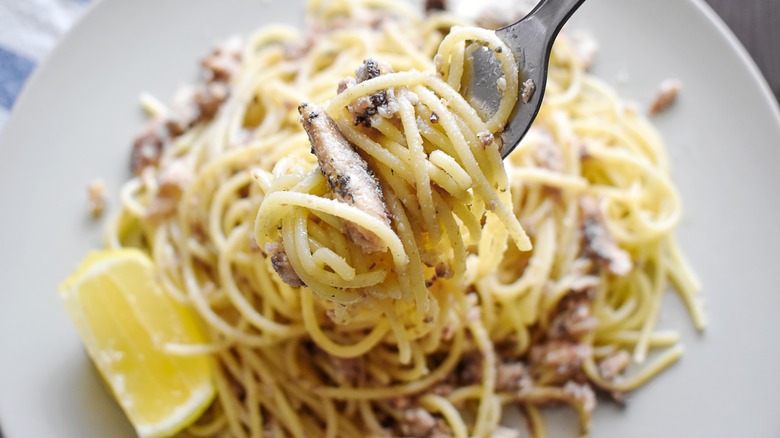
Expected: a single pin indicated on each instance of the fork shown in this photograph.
(531, 40)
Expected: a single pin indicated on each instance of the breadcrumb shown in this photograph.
(96, 198)
(667, 95)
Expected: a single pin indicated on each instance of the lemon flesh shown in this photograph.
(125, 318)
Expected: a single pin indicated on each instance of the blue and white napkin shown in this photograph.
(29, 29)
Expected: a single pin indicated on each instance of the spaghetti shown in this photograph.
(422, 287)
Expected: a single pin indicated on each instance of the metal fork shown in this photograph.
(531, 40)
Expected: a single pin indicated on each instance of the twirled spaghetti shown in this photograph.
(489, 283)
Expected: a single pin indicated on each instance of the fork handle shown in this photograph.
(553, 14)
(547, 18)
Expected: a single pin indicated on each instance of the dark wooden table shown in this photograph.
(757, 24)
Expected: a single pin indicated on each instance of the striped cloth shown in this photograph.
(29, 29)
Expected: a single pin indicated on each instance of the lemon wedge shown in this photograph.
(124, 318)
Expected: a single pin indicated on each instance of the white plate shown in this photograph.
(75, 120)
